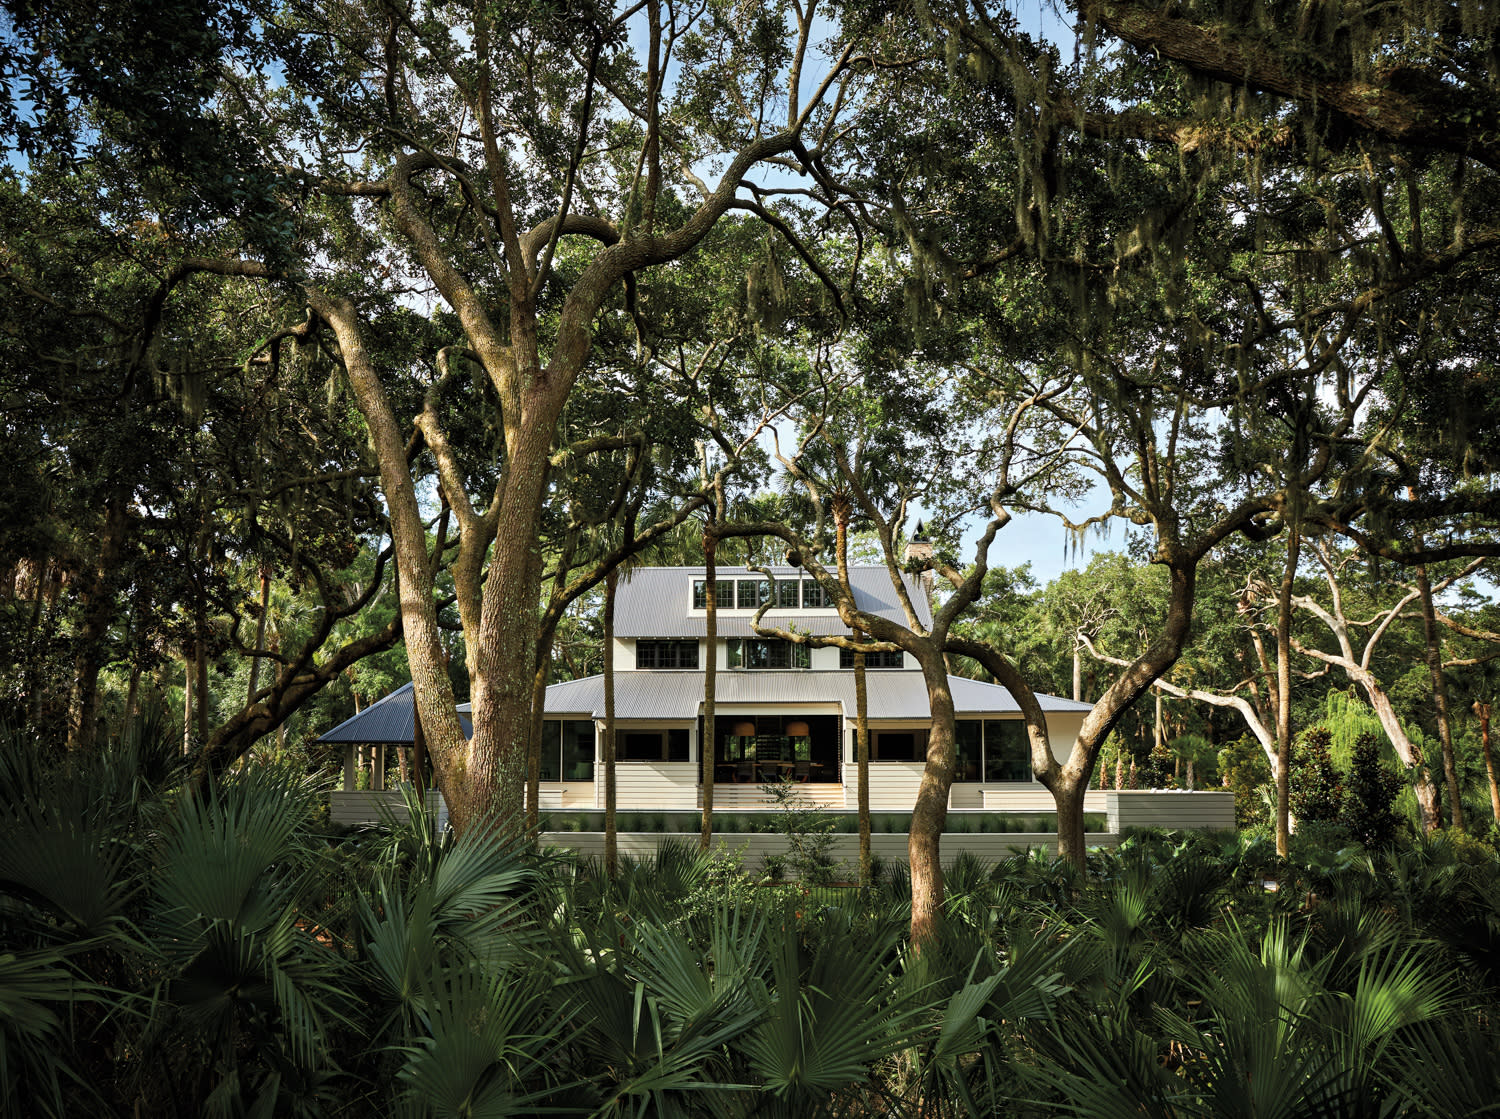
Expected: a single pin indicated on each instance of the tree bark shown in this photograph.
(929, 815)
(260, 635)
(607, 748)
(707, 749)
(862, 763)
(188, 677)
(1433, 649)
(97, 601)
(1284, 693)
(1482, 709)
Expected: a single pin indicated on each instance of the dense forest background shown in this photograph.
(349, 344)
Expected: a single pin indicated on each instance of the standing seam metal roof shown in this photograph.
(387, 721)
(677, 695)
(657, 602)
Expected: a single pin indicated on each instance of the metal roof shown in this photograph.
(387, 721)
(678, 695)
(658, 601)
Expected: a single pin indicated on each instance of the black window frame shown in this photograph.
(653, 653)
(766, 652)
(750, 594)
(879, 659)
(813, 597)
(723, 593)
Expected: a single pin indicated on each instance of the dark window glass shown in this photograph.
(970, 741)
(551, 767)
(666, 654)
(646, 745)
(578, 749)
(786, 593)
(723, 594)
(768, 654)
(812, 595)
(899, 746)
(892, 659)
(753, 592)
(1007, 751)
(638, 746)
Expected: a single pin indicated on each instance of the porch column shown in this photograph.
(349, 749)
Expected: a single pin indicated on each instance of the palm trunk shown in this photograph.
(1482, 709)
(1432, 645)
(607, 748)
(188, 676)
(862, 763)
(98, 613)
(708, 748)
(260, 635)
(1284, 694)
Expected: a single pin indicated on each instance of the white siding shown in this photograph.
(366, 807)
(653, 786)
(1169, 808)
(893, 785)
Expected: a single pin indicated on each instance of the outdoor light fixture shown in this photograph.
(744, 729)
(797, 729)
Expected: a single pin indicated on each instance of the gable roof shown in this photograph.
(658, 602)
(386, 721)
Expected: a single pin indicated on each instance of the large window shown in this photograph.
(898, 745)
(567, 750)
(893, 659)
(993, 750)
(1007, 751)
(669, 745)
(758, 653)
(813, 596)
(666, 654)
(723, 594)
(786, 593)
(753, 593)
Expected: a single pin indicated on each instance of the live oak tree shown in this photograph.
(529, 169)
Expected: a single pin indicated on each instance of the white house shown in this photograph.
(781, 709)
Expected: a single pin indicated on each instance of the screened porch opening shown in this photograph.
(751, 749)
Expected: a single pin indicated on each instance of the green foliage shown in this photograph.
(1247, 773)
(1317, 790)
(252, 967)
(1370, 792)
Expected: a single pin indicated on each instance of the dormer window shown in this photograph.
(767, 653)
(753, 593)
(666, 654)
(723, 594)
(878, 659)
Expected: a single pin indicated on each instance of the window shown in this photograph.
(813, 596)
(1007, 750)
(786, 593)
(893, 659)
(969, 735)
(723, 594)
(898, 746)
(752, 593)
(666, 654)
(567, 750)
(652, 745)
(755, 653)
